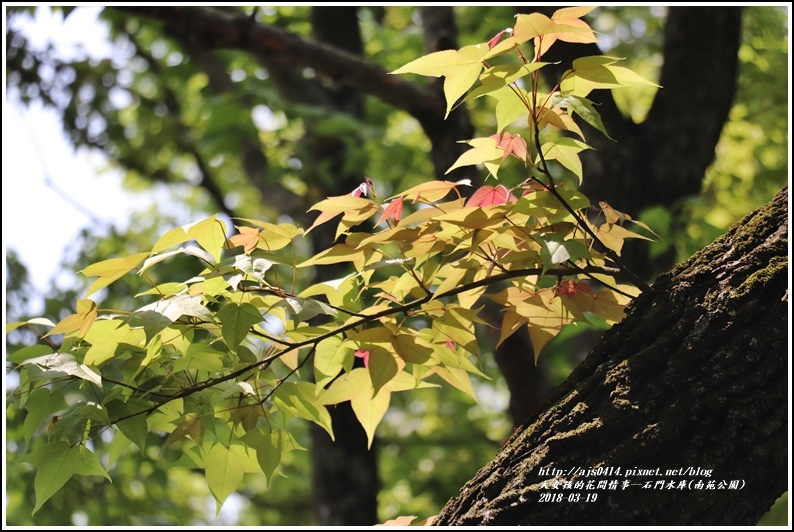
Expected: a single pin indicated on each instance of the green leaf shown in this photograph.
(135, 428)
(153, 351)
(225, 467)
(236, 321)
(31, 351)
(200, 357)
(268, 454)
(56, 463)
(299, 399)
(329, 359)
(370, 411)
(584, 108)
(382, 367)
(41, 405)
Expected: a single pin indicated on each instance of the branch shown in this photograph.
(215, 30)
(290, 346)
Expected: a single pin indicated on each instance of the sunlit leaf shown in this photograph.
(556, 250)
(484, 150)
(598, 72)
(65, 363)
(188, 250)
(105, 337)
(81, 321)
(393, 210)
(224, 468)
(432, 191)
(565, 151)
(111, 270)
(461, 68)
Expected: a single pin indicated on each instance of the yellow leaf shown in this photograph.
(565, 152)
(80, 321)
(598, 72)
(432, 191)
(460, 68)
(111, 270)
(483, 150)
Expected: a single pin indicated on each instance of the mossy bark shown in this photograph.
(695, 376)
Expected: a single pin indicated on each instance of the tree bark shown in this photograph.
(695, 376)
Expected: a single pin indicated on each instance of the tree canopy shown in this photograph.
(233, 330)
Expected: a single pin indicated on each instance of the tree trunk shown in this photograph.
(694, 377)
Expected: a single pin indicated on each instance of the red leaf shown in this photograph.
(495, 38)
(511, 144)
(451, 345)
(365, 355)
(570, 288)
(394, 210)
(487, 195)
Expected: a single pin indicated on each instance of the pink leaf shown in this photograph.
(487, 195)
(495, 38)
(365, 355)
(511, 144)
(360, 190)
(394, 210)
(451, 345)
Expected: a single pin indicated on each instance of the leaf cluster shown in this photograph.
(223, 361)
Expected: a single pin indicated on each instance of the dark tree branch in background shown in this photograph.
(215, 29)
(694, 376)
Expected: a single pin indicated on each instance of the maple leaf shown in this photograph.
(567, 19)
(495, 38)
(394, 210)
(248, 238)
(460, 68)
(487, 195)
(569, 288)
(511, 144)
